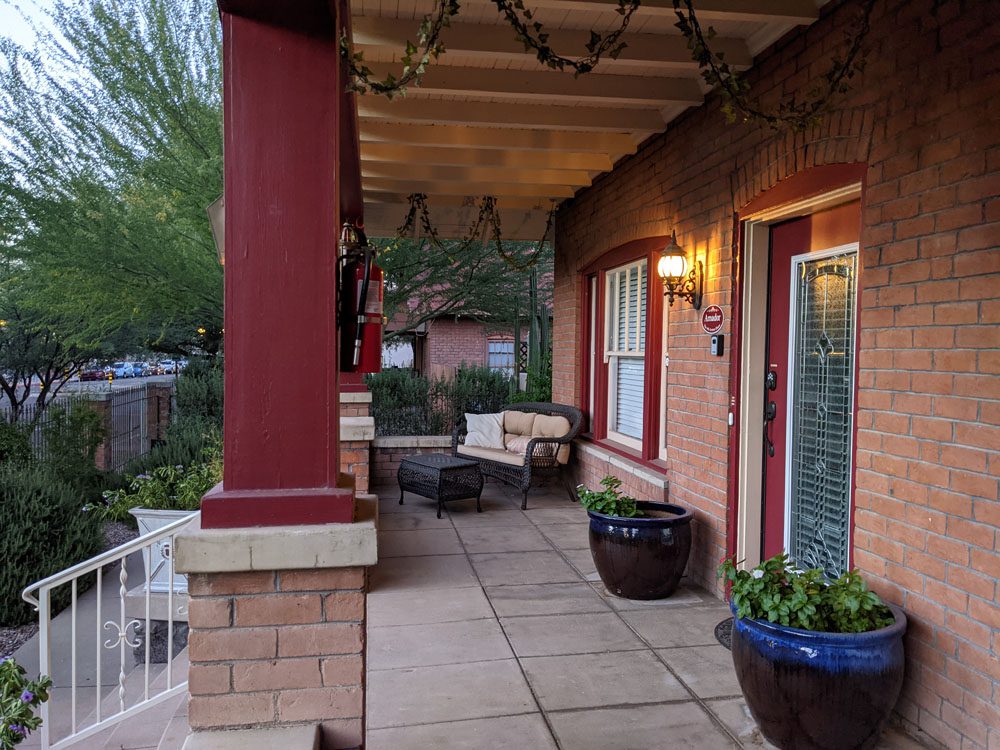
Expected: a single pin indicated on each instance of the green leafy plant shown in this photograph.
(15, 447)
(164, 488)
(781, 593)
(199, 390)
(610, 501)
(71, 438)
(45, 531)
(19, 697)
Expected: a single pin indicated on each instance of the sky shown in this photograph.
(13, 26)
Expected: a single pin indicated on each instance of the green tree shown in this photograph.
(110, 152)
(36, 346)
(426, 280)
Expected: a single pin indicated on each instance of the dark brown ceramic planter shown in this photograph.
(641, 558)
(819, 691)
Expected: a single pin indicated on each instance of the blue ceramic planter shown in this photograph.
(819, 691)
(642, 558)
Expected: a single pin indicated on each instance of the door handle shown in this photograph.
(770, 411)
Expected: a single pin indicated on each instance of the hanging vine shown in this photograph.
(415, 58)
(511, 259)
(793, 113)
(528, 31)
(486, 227)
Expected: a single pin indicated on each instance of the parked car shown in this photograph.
(92, 373)
(122, 370)
(169, 366)
(140, 369)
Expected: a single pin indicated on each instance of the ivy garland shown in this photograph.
(528, 31)
(792, 113)
(486, 227)
(415, 59)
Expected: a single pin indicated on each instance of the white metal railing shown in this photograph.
(140, 683)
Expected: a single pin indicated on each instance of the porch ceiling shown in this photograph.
(489, 119)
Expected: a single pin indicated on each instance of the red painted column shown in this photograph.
(282, 102)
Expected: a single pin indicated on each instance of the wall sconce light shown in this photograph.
(672, 269)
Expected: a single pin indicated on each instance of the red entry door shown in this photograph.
(809, 388)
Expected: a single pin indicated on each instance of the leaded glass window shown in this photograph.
(822, 410)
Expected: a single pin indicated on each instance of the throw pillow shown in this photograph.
(485, 430)
(519, 445)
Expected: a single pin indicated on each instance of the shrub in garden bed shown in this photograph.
(405, 403)
(45, 531)
(200, 391)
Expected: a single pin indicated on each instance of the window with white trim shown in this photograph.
(500, 355)
(625, 351)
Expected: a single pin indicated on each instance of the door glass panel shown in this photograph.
(822, 409)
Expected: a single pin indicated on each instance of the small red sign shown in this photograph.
(712, 319)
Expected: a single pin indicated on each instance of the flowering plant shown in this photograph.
(19, 697)
(163, 488)
(779, 592)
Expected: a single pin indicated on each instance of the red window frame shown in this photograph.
(648, 248)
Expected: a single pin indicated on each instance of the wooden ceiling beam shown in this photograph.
(661, 52)
(507, 158)
(799, 12)
(492, 114)
(474, 189)
(459, 136)
(527, 86)
(500, 175)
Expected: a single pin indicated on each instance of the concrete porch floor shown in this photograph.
(493, 630)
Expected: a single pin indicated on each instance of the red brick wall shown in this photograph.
(451, 343)
(925, 117)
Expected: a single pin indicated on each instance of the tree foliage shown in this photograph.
(426, 280)
(110, 152)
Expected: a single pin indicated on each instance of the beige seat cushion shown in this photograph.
(518, 422)
(546, 426)
(491, 454)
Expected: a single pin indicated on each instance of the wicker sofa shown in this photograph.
(550, 428)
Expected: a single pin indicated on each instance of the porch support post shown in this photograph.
(282, 108)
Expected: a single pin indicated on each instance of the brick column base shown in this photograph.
(281, 646)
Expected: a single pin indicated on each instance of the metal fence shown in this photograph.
(128, 426)
(131, 418)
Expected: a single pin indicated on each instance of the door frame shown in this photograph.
(806, 193)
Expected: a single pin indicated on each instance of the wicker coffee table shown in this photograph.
(440, 477)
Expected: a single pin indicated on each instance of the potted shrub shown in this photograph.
(640, 548)
(820, 662)
(159, 497)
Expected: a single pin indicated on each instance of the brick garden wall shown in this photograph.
(925, 117)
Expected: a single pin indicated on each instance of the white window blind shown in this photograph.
(625, 351)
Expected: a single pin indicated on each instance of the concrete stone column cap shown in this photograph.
(265, 738)
(332, 545)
